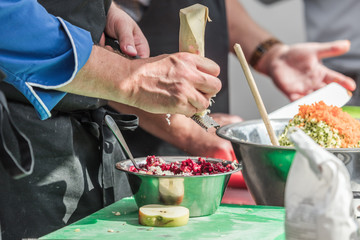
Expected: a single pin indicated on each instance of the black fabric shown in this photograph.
(74, 173)
(87, 14)
(160, 24)
(16, 155)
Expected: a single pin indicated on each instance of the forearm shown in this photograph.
(182, 132)
(243, 29)
(177, 133)
(103, 76)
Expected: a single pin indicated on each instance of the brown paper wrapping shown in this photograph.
(192, 29)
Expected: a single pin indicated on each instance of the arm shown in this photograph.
(179, 83)
(62, 57)
(243, 29)
(296, 69)
(184, 133)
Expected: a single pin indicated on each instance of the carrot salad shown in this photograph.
(329, 126)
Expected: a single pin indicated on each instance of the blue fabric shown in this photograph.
(39, 51)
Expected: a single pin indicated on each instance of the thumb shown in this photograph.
(127, 45)
(333, 49)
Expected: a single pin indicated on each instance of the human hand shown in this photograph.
(178, 83)
(297, 70)
(122, 27)
(224, 119)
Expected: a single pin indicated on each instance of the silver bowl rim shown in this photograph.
(139, 159)
(221, 132)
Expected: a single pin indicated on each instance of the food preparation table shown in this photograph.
(120, 221)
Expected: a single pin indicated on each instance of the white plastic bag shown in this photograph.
(318, 196)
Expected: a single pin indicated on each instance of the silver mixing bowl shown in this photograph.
(265, 167)
(200, 194)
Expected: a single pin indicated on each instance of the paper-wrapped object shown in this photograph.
(318, 196)
(192, 29)
(193, 21)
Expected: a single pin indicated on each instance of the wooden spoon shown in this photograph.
(256, 94)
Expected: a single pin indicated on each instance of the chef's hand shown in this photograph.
(122, 27)
(297, 70)
(177, 83)
(225, 119)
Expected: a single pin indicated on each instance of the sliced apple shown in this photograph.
(171, 190)
(156, 215)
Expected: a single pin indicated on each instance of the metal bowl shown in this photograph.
(265, 167)
(200, 194)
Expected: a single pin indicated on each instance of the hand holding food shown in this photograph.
(163, 215)
(177, 83)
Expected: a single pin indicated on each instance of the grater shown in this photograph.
(205, 121)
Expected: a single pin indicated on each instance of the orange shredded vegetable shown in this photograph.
(336, 118)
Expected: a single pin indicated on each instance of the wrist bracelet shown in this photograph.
(261, 49)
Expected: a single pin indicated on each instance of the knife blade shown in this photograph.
(332, 94)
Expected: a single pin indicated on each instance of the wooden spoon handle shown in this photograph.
(256, 94)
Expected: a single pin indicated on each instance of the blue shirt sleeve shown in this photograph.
(39, 52)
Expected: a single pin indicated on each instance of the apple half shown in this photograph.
(157, 215)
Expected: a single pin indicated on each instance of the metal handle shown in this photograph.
(114, 128)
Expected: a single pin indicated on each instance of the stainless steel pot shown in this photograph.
(265, 167)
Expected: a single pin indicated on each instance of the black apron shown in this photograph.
(160, 24)
(74, 152)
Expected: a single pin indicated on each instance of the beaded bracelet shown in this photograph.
(261, 49)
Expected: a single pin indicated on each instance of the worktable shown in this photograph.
(231, 221)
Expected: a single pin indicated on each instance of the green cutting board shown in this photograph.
(229, 222)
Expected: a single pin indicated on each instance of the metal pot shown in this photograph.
(265, 167)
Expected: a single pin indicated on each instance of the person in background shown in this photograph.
(59, 161)
(332, 20)
(296, 69)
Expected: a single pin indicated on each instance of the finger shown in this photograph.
(109, 48)
(198, 100)
(141, 44)
(207, 66)
(188, 110)
(126, 41)
(102, 40)
(341, 79)
(295, 96)
(332, 49)
(208, 85)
